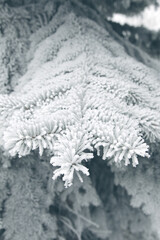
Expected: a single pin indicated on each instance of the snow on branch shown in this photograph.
(120, 145)
(29, 137)
(70, 151)
(78, 75)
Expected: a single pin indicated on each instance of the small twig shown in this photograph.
(62, 219)
(84, 218)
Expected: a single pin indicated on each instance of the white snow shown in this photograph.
(149, 18)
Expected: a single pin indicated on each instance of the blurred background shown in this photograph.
(135, 20)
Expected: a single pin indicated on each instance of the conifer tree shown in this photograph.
(79, 125)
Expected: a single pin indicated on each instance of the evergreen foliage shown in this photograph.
(72, 96)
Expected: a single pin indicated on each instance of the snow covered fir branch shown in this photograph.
(73, 101)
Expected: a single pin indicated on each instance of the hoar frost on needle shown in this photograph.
(120, 144)
(70, 151)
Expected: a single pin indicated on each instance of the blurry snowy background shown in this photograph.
(148, 18)
(140, 28)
